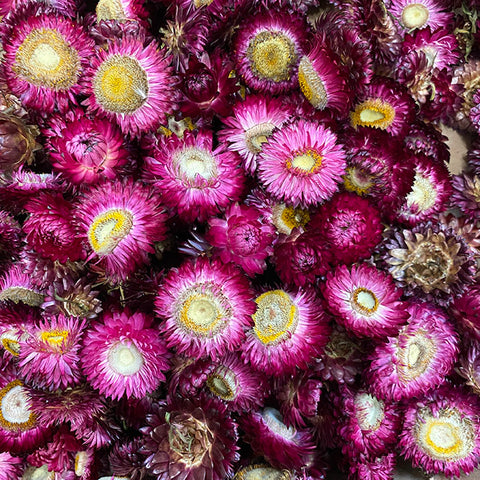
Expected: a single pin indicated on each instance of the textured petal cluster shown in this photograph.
(302, 164)
(124, 355)
(206, 307)
(242, 238)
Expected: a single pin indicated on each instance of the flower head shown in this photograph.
(242, 238)
(131, 84)
(46, 56)
(120, 221)
(365, 301)
(418, 359)
(123, 355)
(290, 329)
(302, 164)
(206, 306)
(466, 194)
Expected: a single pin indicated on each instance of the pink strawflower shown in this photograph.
(207, 87)
(302, 164)
(195, 179)
(351, 225)
(49, 228)
(430, 192)
(427, 139)
(290, 329)
(120, 221)
(251, 123)
(130, 82)
(124, 355)
(301, 257)
(10, 467)
(282, 446)
(19, 429)
(86, 150)
(418, 359)
(127, 461)
(369, 425)
(441, 432)
(299, 397)
(191, 439)
(466, 194)
(365, 300)
(46, 55)
(415, 14)
(373, 467)
(386, 105)
(466, 311)
(16, 286)
(242, 238)
(74, 405)
(323, 79)
(268, 47)
(206, 306)
(49, 355)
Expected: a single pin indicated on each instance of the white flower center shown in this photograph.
(364, 301)
(423, 193)
(110, 10)
(125, 359)
(369, 411)
(223, 383)
(40, 473)
(194, 161)
(416, 356)
(257, 135)
(447, 436)
(262, 472)
(415, 15)
(273, 419)
(15, 407)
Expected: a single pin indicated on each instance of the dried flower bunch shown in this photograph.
(232, 246)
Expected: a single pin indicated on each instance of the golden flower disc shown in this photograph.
(15, 413)
(311, 84)
(374, 113)
(10, 343)
(120, 84)
(44, 58)
(358, 181)
(108, 229)
(272, 56)
(287, 218)
(448, 436)
(415, 15)
(276, 317)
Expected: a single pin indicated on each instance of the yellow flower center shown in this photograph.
(15, 413)
(423, 193)
(306, 161)
(286, 218)
(120, 84)
(276, 317)
(55, 338)
(311, 84)
(223, 383)
(272, 56)
(415, 15)
(364, 301)
(110, 10)
(201, 313)
(374, 113)
(257, 135)
(202, 3)
(10, 343)
(109, 229)
(44, 58)
(357, 181)
(447, 436)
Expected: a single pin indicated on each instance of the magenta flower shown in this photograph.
(302, 164)
(124, 355)
(242, 238)
(207, 306)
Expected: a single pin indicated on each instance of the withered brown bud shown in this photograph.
(17, 142)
